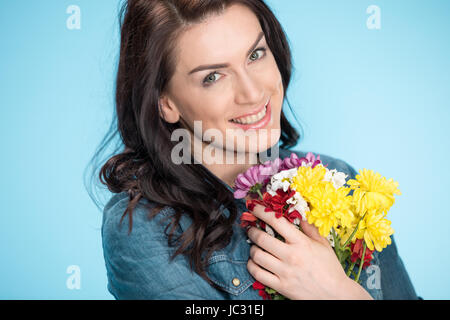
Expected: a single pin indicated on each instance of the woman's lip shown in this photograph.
(260, 124)
(254, 112)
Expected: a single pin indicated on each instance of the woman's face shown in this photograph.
(220, 96)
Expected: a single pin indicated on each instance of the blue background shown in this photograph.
(374, 98)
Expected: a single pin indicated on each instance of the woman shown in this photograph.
(215, 62)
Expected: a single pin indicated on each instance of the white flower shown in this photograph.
(330, 240)
(281, 180)
(269, 230)
(299, 204)
(336, 177)
(309, 164)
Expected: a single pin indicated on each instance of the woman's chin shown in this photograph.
(259, 146)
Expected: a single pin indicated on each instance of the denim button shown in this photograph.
(236, 282)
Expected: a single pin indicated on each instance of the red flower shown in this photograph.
(357, 251)
(248, 219)
(262, 224)
(262, 292)
(258, 285)
(291, 216)
(278, 203)
(264, 295)
(250, 204)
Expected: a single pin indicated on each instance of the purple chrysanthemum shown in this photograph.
(255, 178)
(312, 159)
(272, 167)
(294, 161)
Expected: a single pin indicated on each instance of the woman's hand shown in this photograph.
(303, 267)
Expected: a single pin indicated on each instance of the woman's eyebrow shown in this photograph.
(224, 65)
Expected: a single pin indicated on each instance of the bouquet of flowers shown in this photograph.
(350, 214)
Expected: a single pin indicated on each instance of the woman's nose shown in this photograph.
(247, 90)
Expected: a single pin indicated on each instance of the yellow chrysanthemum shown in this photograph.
(345, 232)
(329, 207)
(306, 180)
(375, 230)
(373, 192)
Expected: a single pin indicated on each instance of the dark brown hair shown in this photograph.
(143, 166)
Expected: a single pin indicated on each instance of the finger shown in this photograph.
(286, 229)
(267, 242)
(263, 276)
(266, 260)
(313, 232)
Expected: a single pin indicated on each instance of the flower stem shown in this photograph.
(353, 233)
(362, 262)
(259, 193)
(351, 268)
(337, 247)
(336, 243)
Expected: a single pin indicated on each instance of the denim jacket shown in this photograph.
(138, 265)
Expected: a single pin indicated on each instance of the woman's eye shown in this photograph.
(210, 78)
(263, 50)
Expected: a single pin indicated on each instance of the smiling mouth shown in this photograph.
(255, 118)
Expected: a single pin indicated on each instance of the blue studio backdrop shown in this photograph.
(370, 86)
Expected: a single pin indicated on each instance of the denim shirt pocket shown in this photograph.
(227, 267)
(229, 274)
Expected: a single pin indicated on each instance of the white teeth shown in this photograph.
(252, 119)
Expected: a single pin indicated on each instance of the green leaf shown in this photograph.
(270, 290)
(345, 255)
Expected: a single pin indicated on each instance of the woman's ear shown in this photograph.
(168, 111)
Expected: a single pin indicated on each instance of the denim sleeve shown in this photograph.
(395, 281)
(138, 265)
